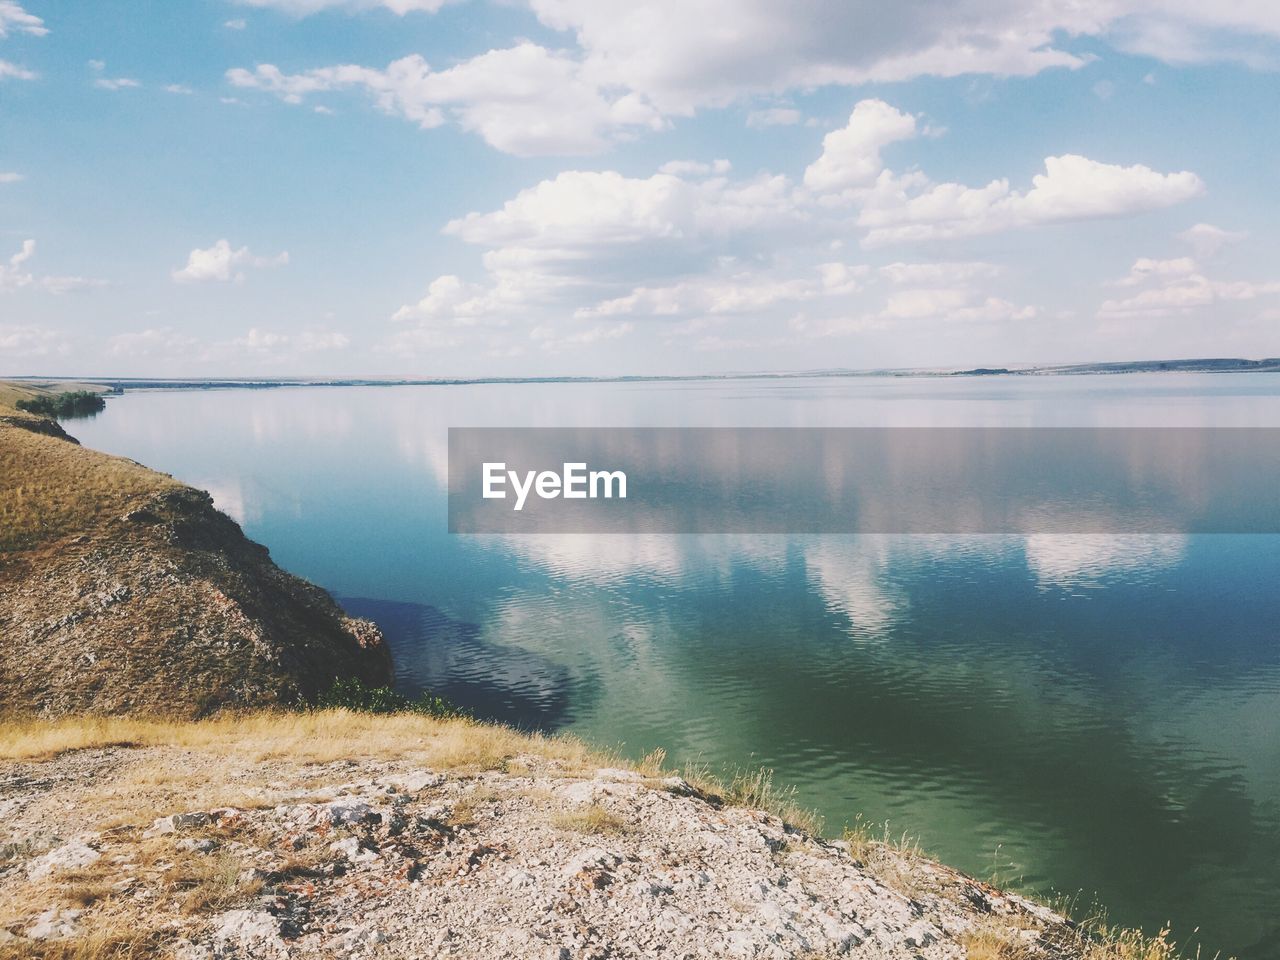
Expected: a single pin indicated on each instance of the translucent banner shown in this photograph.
(864, 480)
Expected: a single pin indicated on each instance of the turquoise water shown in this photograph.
(1094, 715)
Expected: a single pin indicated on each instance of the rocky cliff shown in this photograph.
(122, 590)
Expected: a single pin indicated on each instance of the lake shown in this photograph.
(1078, 714)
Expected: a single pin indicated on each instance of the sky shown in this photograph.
(463, 188)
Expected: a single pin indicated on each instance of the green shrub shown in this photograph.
(351, 694)
(75, 403)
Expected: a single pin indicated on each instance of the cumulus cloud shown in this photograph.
(14, 19)
(524, 100)
(448, 297)
(222, 263)
(851, 155)
(776, 47)
(1177, 286)
(691, 246)
(623, 69)
(1071, 188)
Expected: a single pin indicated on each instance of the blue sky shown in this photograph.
(535, 187)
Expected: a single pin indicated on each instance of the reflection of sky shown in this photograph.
(1104, 708)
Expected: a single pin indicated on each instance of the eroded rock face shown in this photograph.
(170, 608)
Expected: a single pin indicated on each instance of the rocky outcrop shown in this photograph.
(370, 858)
(34, 424)
(168, 608)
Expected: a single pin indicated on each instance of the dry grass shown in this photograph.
(114, 938)
(592, 819)
(115, 925)
(50, 488)
(320, 736)
(1090, 940)
(754, 789)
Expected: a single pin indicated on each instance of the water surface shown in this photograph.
(1077, 713)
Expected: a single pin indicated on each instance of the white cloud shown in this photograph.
(116, 83)
(20, 340)
(1071, 188)
(11, 177)
(525, 100)
(178, 88)
(774, 47)
(691, 246)
(851, 155)
(221, 263)
(1206, 240)
(17, 20)
(1177, 286)
(449, 298)
(302, 8)
(624, 70)
(731, 293)
(774, 117)
(696, 168)
(1146, 268)
(236, 24)
(11, 71)
(578, 212)
(938, 273)
(15, 274)
(110, 83)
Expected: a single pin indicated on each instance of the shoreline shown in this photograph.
(1111, 368)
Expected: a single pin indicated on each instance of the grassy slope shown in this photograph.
(50, 488)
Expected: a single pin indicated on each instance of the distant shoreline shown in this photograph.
(1212, 365)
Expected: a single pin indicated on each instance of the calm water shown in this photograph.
(1095, 714)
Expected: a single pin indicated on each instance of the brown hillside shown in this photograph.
(124, 590)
